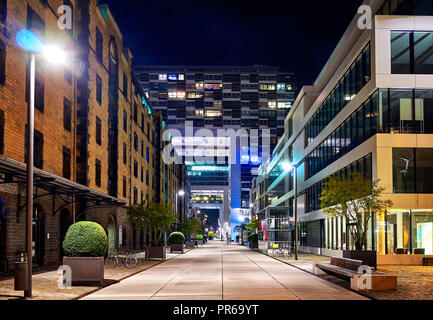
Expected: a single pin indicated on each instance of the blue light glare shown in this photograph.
(30, 41)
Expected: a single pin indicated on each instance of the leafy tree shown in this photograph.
(154, 218)
(252, 226)
(355, 198)
(191, 226)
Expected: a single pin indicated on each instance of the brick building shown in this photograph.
(97, 145)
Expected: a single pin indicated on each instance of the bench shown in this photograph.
(348, 269)
(426, 261)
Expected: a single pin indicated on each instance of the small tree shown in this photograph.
(154, 218)
(191, 226)
(356, 199)
(252, 226)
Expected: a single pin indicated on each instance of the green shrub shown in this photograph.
(85, 239)
(176, 238)
(253, 238)
(199, 237)
(210, 234)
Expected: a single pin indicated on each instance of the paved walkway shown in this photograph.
(218, 271)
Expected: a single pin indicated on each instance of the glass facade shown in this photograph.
(356, 77)
(412, 170)
(407, 7)
(386, 111)
(411, 52)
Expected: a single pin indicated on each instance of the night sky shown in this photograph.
(299, 36)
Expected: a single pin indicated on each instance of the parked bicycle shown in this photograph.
(279, 252)
(129, 260)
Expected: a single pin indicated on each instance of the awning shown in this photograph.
(16, 172)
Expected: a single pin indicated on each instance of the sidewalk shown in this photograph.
(218, 271)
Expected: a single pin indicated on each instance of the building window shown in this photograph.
(147, 177)
(125, 85)
(142, 122)
(142, 174)
(99, 89)
(38, 148)
(135, 195)
(124, 187)
(67, 114)
(98, 172)
(2, 61)
(2, 132)
(135, 113)
(412, 52)
(135, 142)
(99, 46)
(147, 154)
(98, 131)
(125, 153)
(142, 148)
(3, 11)
(39, 87)
(412, 170)
(66, 163)
(125, 121)
(135, 168)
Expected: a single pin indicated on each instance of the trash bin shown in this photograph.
(21, 276)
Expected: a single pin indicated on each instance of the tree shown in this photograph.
(355, 198)
(191, 226)
(154, 218)
(252, 226)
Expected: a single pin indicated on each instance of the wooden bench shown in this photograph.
(426, 261)
(348, 269)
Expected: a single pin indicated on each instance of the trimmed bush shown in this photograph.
(176, 238)
(85, 239)
(211, 234)
(253, 238)
(199, 237)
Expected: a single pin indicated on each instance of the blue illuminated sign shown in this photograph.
(172, 77)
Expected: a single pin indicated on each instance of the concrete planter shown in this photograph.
(156, 253)
(253, 245)
(86, 269)
(368, 258)
(176, 248)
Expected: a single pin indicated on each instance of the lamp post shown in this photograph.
(181, 193)
(31, 43)
(294, 167)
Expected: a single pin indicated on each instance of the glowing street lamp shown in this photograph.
(33, 44)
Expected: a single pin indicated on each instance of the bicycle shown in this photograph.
(128, 259)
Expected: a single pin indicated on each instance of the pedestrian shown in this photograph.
(228, 239)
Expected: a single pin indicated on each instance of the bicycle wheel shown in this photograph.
(131, 262)
(111, 262)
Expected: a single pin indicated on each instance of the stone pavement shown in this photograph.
(218, 271)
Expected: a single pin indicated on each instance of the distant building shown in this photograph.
(255, 98)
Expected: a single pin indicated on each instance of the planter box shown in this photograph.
(189, 244)
(176, 247)
(253, 245)
(86, 269)
(368, 258)
(156, 253)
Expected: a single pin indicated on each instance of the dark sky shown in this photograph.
(297, 35)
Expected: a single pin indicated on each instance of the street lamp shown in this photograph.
(33, 44)
(180, 193)
(288, 166)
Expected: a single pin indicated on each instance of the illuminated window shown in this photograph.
(281, 87)
(199, 85)
(217, 104)
(269, 87)
(172, 94)
(213, 113)
(171, 77)
(162, 77)
(181, 77)
(272, 104)
(181, 94)
(199, 113)
(284, 105)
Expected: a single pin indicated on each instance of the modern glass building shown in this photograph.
(370, 111)
(255, 98)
